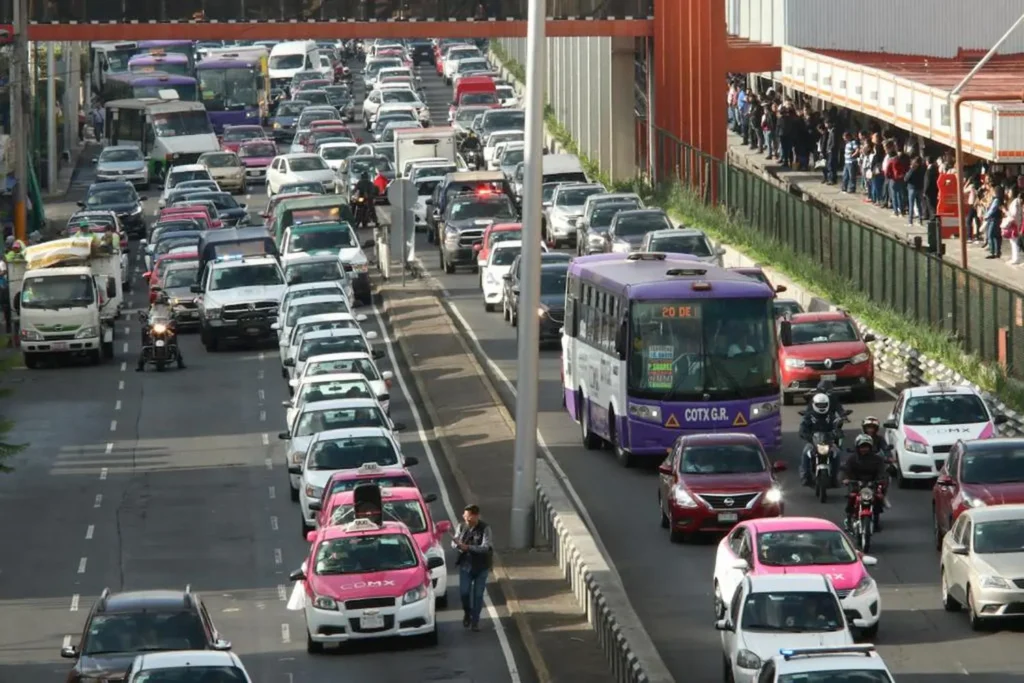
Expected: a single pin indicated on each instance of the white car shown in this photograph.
(331, 341)
(395, 95)
(499, 150)
(325, 388)
(326, 300)
(421, 162)
(325, 321)
(322, 416)
(325, 67)
(299, 168)
(492, 275)
(337, 450)
(424, 193)
(180, 174)
(491, 143)
(187, 665)
(851, 663)
(927, 421)
(318, 268)
(337, 239)
(294, 292)
(333, 363)
(775, 611)
(455, 54)
(334, 153)
(507, 96)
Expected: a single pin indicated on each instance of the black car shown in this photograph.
(122, 625)
(463, 224)
(592, 234)
(340, 97)
(510, 300)
(628, 228)
(120, 197)
(421, 51)
(233, 214)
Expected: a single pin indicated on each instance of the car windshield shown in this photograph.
(290, 108)
(506, 92)
(338, 153)
(302, 164)
(722, 459)
(176, 240)
(142, 631)
(363, 366)
(304, 310)
(466, 116)
(398, 96)
(262, 275)
(800, 548)
(695, 245)
(315, 421)
(178, 177)
(220, 200)
(512, 157)
(257, 150)
(121, 195)
(383, 481)
(182, 123)
(312, 96)
(351, 453)
(504, 120)
(317, 271)
(822, 332)
(321, 347)
(120, 154)
(944, 409)
(187, 673)
(425, 188)
(491, 208)
(287, 61)
(552, 281)
(322, 240)
(358, 165)
(993, 465)
(849, 675)
(576, 196)
(57, 291)
(603, 214)
(365, 554)
(374, 67)
(408, 512)
(220, 160)
(1001, 536)
(638, 226)
(242, 134)
(180, 277)
(505, 256)
(302, 188)
(792, 612)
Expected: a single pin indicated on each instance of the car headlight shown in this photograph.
(415, 595)
(914, 446)
(91, 331)
(314, 491)
(996, 582)
(297, 457)
(796, 363)
(760, 411)
(864, 585)
(324, 602)
(277, 125)
(596, 239)
(542, 312)
(860, 358)
(137, 210)
(974, 502)
(212, 312)
(360, 267)
(621, 247)
(745, 659)
(645, 412)
(773, 495)
(682, 498)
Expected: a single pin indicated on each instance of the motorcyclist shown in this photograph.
(367, 190)
(160, 312)
(872, 427)
(865, 465)
(821, 416)
(471, 143)
(826, 387)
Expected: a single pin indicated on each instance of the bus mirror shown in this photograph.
(786, 333)
(620, 340)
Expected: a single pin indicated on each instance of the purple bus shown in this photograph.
(181, 47)
(655, 346)
(150, 86)
(234, 89)
(171, 64)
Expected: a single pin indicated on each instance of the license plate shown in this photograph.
(728, 517)
(59, 346)
(368, 621)
(252, 330)
(828, 378)
(159, 344)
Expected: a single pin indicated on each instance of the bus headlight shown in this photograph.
(759, 411)
(645, 412)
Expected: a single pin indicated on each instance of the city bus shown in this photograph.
(158, 62)
(155, 85)
(656, 346)
(169, 132)
(178, 47)
(109, 59)
(235, 86)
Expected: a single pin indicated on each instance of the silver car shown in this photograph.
(982, 564)
(567, 201)
(684, 241)
(123, 162)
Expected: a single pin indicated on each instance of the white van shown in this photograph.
(287, 59)
(562, 168)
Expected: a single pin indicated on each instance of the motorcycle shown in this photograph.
(824, 462)
(162, 347)
(473, 159)
(361, 208)
(867, 510)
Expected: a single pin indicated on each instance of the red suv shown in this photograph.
(825, 346)
(709, 482)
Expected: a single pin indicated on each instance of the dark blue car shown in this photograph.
(282, 123)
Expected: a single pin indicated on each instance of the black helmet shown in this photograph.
(162, 298)
(364, 176)
(862, 441)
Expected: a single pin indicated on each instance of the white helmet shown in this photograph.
(820, 403)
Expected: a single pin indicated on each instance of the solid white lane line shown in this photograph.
(74, 603)
(492, 613)
(82, 563)
(89, 531)
(99, 501)
(103, 474)
(273, 522)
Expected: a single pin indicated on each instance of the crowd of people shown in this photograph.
(887, 166)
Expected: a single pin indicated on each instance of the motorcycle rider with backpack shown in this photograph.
(821, 416)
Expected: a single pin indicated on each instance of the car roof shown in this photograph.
(324, 318)
(987, 445)
(340, 404)
(390, 493)
(787, 583)
(321, 298)
(185, 658)
(996, 513)
(307, 286)
(246, 261)
(829, 660)
(301, 155)
(305, 257)
(330, 334)
(109, 184)
(341, 355)
(134, 601)
(766, 524)
(940, 389)
(720, 438)
(350, 432)
(334, 377)
(819, 316)
(120, 147)
(188, 167)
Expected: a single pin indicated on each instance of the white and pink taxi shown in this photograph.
(806, 545)
(401, 504)
(362, 580)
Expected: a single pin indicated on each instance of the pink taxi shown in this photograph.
(362, 580)
(406, 505)
(805, 545)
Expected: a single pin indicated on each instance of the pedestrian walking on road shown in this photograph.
(473, 541)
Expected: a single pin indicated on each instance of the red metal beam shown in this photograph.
(319, 30)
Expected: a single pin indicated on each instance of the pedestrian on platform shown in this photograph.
(971, 193)
(833, 151)
(914, 179)
(473, 541)
(931, 187)
(993, 224)
(851, 153)
(770, 126)
(1011, 226)
(894, 172)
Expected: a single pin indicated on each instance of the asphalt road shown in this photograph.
(145, 480)
(670, 585)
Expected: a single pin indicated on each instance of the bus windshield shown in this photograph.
(702, 350)
(181, 123)
(229, 89)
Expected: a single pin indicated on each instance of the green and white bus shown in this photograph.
(169, 132)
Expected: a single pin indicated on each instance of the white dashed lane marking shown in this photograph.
(82, 563)
(89, 531)
(74, 603)
(99, 501)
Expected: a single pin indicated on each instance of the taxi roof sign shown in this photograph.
(368, 468)
(362, 524)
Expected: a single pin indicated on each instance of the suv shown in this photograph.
(122, 625)
(462, 227)
(238, 299)
(558, 223)
(826, 346)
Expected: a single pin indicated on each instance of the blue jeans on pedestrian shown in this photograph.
(914, 205)
(850, 177)
(995, 238)
(786, 151)
(877, 188)
(898, 196)
(471, 589)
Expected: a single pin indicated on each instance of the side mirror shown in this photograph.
(444, 527)
(376, 354)
(243, 206)
(143, 198)
(95, 161)
(81, 204)
(429, 202)
(740, 565)
(868, 560)
(361, 318)
(148, 274)
(786, 333)
(69, 652)
(515, 290)
(664, 469)
(889, 424)
(289, 362)
(723, 625)
(397, 426)
(297, 575)
(387, 375)
(195, 289)
(780, 289)
(284, 436)
(507, 277)
(430, 498)
(958, 549)
(435, 562)
(294, 469)
(143, 243)
(368, 244)
(371, 335)
(779, 466)
(868, 338)
(1000, 419)
(720, 251)
(478, 248)
(412, 461)
(275, 326)
(316, 505)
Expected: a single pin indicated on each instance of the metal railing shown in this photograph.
(984, 316)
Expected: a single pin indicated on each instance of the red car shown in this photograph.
(709, 482)
(190, 211)
(152, 277)
(825, 346)
(234, 136)
(256, 156)
(977, 473)
(493, 234)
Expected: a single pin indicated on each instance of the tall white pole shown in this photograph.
(524, 485)
(51, 117)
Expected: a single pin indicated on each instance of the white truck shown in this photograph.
(424, 143)
(66, 295)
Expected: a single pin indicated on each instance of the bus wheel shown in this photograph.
(625, 458)
(591, 441)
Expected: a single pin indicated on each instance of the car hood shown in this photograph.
(116, 208)
(256, 162)
(288, 121)
(996, 494)
(368, 585)
(555, 303)
(112, 667)
(767, 645)
(183, 293)
(844, 576)
(225, 171)
(826, 350)
(246, 294)
(726, 483)
(1000, 564)
(352, 255)
(469, 223)
(120, 166)
(942, 435)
